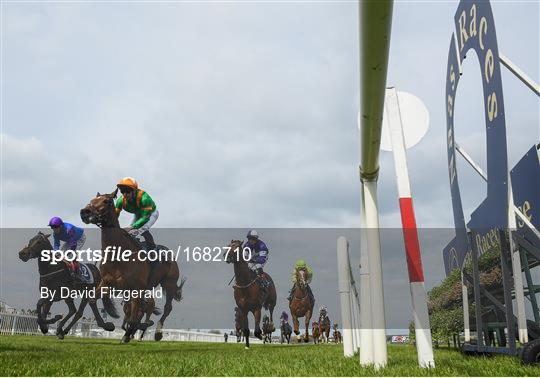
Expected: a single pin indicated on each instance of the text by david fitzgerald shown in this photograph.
(105, 291)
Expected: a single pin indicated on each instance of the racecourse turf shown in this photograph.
(45, 355)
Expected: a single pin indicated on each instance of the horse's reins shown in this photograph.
(51, 273)
(236, 286)
(295, 297)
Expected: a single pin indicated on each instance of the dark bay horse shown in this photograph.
(248, 294)
(315, 332)
(134, 274)
(337, 334)
(324, 326)
(268, 328)
(300, 304)
(286, 331)
(53, 277)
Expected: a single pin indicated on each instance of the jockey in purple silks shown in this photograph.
(259, 256)
(284, 317)
(73, 238)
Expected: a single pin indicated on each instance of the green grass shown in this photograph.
(39, 356)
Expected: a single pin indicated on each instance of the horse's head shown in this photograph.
(301, 277)
(234, 252)
(100, 211)
(34, 247)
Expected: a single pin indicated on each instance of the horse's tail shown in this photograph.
(156, 311)
(178, 293)
(110, 307)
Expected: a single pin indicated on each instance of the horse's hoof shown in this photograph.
(150, 323)
(44, 330)
(125, 339)
(60, 333)
(108, 326)
(296, 333)
(246, 348)
(158, 336)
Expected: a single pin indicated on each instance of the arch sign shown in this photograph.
(475, 30)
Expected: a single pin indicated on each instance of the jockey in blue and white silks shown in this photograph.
(259, 255)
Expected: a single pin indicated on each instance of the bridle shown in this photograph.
(101, 217)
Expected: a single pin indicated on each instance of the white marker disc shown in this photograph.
(414, 118)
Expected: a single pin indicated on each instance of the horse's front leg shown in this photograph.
(296, 324)
(307, 320)
(40, 307)
(76, 318)
(133, 320)
(72, 310)
(257, 316)
(107, 326)
(245, 327)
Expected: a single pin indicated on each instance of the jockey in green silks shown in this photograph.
(301, 265)
(139, 203)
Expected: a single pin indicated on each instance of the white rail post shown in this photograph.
(366, 327)
(14, 326)
(344, 295)
(378, 319)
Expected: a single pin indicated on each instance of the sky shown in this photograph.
(236, 114)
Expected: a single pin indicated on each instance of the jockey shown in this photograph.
(139, 203)
(284, 317)
(73, 238)
(301, 265)
(259, 256)
(323, 314)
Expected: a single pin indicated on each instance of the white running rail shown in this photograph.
(350, 304)
(18, 324)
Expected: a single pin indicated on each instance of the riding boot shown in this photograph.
(149, 240)
(289, 298)
(262, 279)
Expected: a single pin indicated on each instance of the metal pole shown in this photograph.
(466, 318)
(375, 24)
(366, 327)
(422, 328)
(516, 268)
(519, 73)
(530, 285)
(477, 297)
(378, 318)
(354, 309)
(344, 295)
(505, 270)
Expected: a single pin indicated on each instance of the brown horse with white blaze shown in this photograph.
(134, 274)
(300, 305)
(249, 296)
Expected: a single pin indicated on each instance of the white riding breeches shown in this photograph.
(145, 227)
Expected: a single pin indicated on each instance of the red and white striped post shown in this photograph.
(410, 233)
